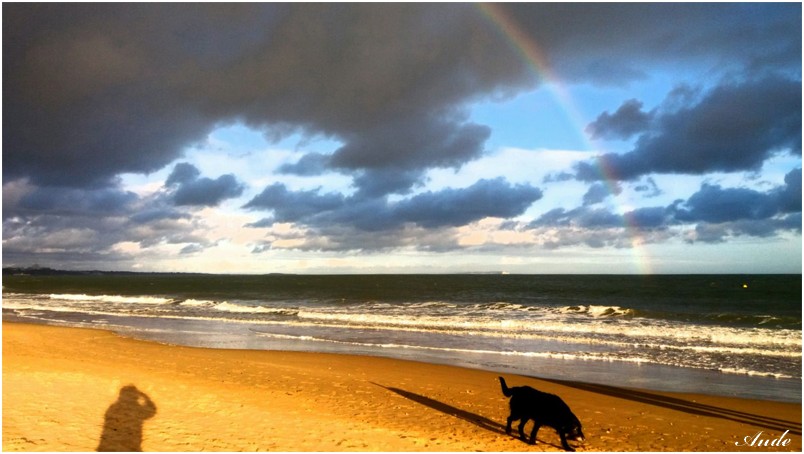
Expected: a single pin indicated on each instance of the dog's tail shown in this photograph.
(505, 389)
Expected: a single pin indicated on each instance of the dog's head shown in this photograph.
(574, 432)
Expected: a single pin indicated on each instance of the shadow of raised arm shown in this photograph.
(124, 420)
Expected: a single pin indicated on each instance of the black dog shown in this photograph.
(545, 410)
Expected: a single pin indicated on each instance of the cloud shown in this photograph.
(333, 222)
(789, 197)
(445, 208)
(408, 146)
(71, 201)
(290, 206)
(182, 173)
(714, 204)
(629, 119)
(598, 192)
(648, 218)
(734, 127)
(456, 207)
(189, 189)
(583, 217)
(578, 38)
(714, 213)
(311, 164)
(125, 88)
(649, 188)
(95, 91)
(83, 228)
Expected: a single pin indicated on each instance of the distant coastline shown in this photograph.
(36, 270)
(45, 271)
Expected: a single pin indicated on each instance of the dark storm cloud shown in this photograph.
(158, 213)
(629, 119)
(456, 207)
(293, 206)
(392, 157)
(615, 43)
(649, 188)
(408, 146)
(379, 182)
(91, 91)
(584, 217)
(734, 127)
(714, 213)
(183, 172)
(448, 207)
(81, 228)
(70, 201)
(310, 164)
(73, 237)
(95, 90)
(790, 195)
(763, 228)
(413, 144)
(189, 188)
(714, 204)
(598, 192)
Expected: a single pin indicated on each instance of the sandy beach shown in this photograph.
(67, 389)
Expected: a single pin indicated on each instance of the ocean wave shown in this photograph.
(598, 324)
(599, 311)
(248, 309)
(567, 356)
(111, 299)
(672, 333)
(197, 303)
(753, 373)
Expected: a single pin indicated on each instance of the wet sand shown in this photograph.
(68, 389)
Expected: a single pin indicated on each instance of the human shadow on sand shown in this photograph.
(122, 425)
(687, 406)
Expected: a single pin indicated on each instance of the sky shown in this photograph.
(403, 138)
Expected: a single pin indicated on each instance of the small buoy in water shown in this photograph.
(745, 285)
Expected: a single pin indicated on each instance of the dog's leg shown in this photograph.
(564, 442)
(533, 432)
(522, 428)
(508, 425)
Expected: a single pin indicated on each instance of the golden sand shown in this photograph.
(67, 389)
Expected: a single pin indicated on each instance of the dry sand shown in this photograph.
(67, 389)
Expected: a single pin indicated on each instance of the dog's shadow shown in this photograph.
(478, 420)
(686, 406)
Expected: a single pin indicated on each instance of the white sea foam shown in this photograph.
(672, 333)
(112, 299)
(247, 309)
(198, 303)
(528, 354)
(588, 356)
(598, 311)
(754, 373)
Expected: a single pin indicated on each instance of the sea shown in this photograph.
(731, 335)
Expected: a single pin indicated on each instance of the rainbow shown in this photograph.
(521, 43)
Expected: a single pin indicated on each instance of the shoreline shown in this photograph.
(638, 375)
(62, 384)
